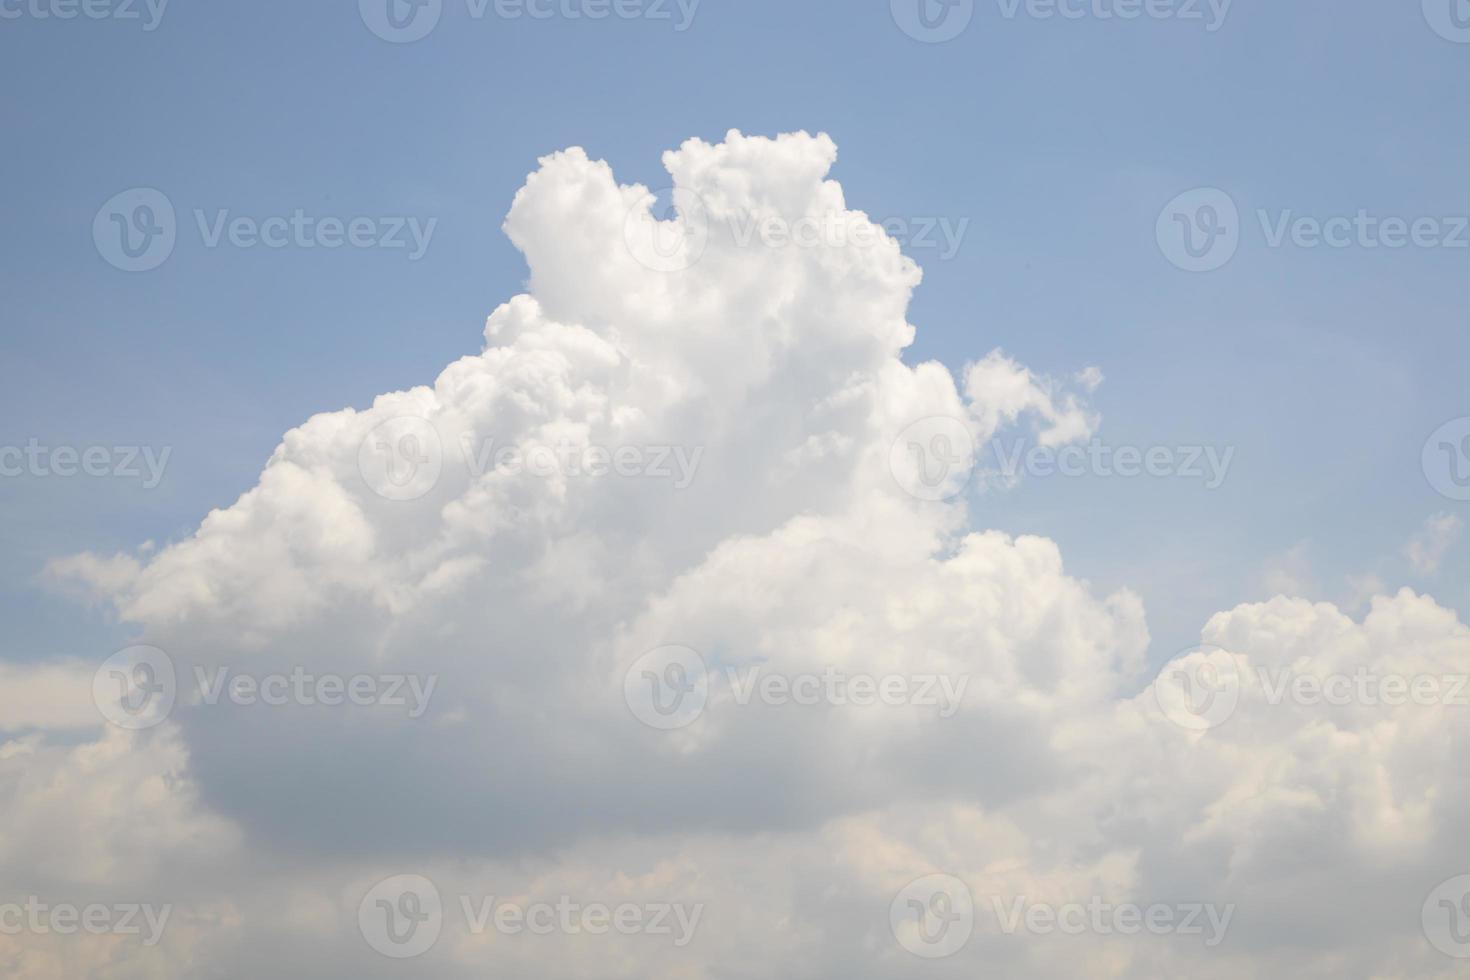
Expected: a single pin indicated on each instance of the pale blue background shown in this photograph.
(1060, 140)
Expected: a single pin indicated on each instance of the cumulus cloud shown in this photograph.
(523, 531)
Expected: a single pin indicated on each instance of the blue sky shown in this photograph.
(1059, 140)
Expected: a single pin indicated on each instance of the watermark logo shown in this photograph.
(933, 917)
(136, 230)
(1450, 19)
(401, 917)
(934, 458)
(1446, 459)
(667, 688)
(401, 21)
(1446, 917)
(402, 458)
(673, 242)
(136, 688)
(1199, 689)
(1199, 231)
(932, 21)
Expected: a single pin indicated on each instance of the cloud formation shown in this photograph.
(820, 543)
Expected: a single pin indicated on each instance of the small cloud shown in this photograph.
(1362, 589)
(1427, 548)
(1290, 573)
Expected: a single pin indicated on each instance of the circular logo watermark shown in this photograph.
(401, 21)
(1446, 459)
(402, 458)
(136, 688)
(933, 917)
(1449, 18)
(1446, 917)
(1199, 231)
(402, 916)
(932, 21)
(673, 243)
(136, 231)
(667, 687)
(1200, 688)
(934, 458)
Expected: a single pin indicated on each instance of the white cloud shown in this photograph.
(47, 696)
(1290, 573)
(1427, 548)
(795, 550)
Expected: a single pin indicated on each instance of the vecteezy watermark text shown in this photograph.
(137, 688)
(1100, 917)
(1364, 686)
(1208, 464)
(843, 229)
(936, 459)
(330, 690)
(138, 229)
(937, 21)
(148, 12)
(40, 918)
(1201, 230)
(1209, 13)
(1202, 687)
(679, 239)
(677, 464)
(121, 462)
(403, 458)
(302, 230)
(670, 687)
(406, 21)
(934, 917)
(402, 917)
